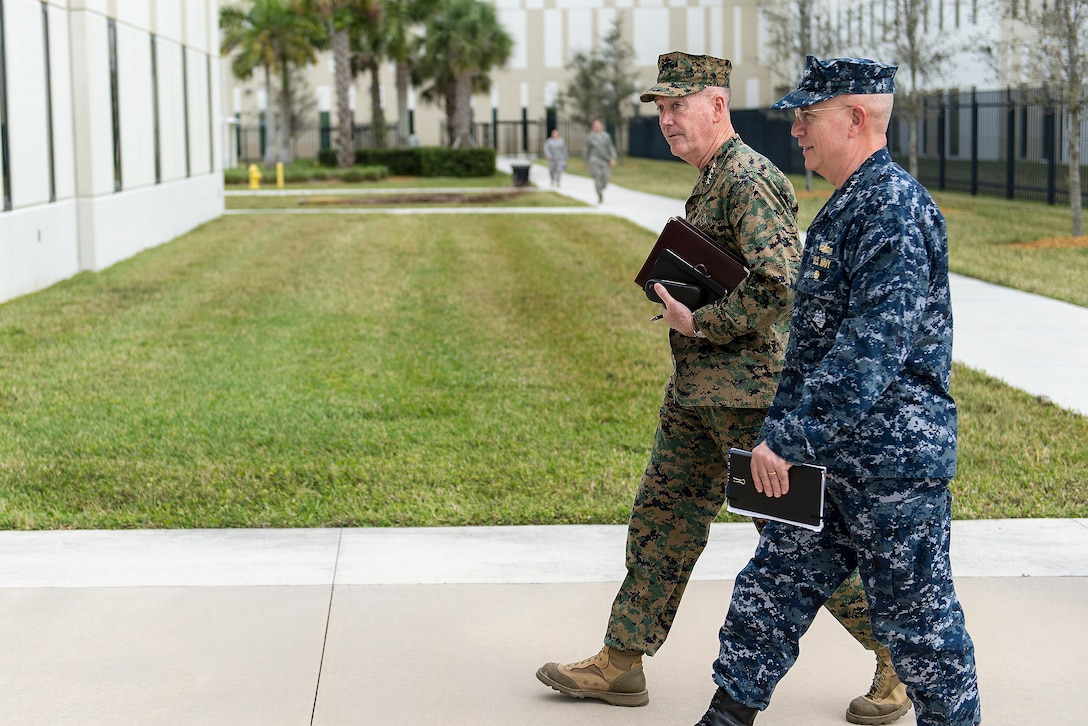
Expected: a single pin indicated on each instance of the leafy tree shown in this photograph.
(797, 29)
(922, 54)
(341, 18)
(603, 82)
(400, 20)
(1048, 48)
(462, 42)
(273, 35)
(368, 49)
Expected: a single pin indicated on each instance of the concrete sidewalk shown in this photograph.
(448, 625)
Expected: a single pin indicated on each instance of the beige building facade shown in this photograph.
(546, 34)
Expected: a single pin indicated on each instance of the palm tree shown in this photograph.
(340, 17)
(274, 35)
(367, 52)
(462, 42)
(400, 18)
(250, 33)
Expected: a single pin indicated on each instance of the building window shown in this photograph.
(115, 107)
(4, 145)
(49, 104)
(185, 108)
(155, 109)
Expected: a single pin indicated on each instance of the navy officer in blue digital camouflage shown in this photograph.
(864, 392)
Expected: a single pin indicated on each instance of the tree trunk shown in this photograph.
(285, 115)
(272, 137)
(377, 114)
(403, 131)
(459, 112)
(1072, 142)
(341, 51)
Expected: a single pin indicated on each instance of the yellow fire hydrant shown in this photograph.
(254, 177)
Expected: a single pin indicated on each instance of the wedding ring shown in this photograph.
(772, 473)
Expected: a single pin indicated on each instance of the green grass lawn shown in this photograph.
(337, 370)
(988, 237)
(434, 198)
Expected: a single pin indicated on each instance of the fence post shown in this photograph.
(524, 130)
(974, 140)
(1050, 135)
(1010, 145)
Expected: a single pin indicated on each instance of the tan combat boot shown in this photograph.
(612, 675)
(887, 698)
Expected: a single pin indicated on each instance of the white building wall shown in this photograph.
(27, 107)
(89, 224)
(199, 140)
(547, 33)
(60, 68)
(168, 20)
(171, 109)
(137, 109)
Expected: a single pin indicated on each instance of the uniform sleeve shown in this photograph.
(764, 220)
(889, 282)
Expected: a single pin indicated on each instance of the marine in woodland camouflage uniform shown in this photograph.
(864, 392)
(600, 153)
(723, 380)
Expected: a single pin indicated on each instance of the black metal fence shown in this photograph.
(1007, 143)
(768, 132)
(1001, 143)
(523, 138)
(251, 142)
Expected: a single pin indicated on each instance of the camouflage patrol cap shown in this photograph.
(680, 74)
(826, 79)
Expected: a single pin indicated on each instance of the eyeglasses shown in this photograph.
(806, 115)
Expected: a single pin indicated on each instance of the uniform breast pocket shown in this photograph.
(820, 296)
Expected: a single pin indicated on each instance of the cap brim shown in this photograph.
(671, 90)
(800, 99)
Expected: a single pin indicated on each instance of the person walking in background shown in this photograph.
(727, 358)
(555, 151)
(864, 392)
(599, 153)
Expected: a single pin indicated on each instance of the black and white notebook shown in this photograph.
(802, 506)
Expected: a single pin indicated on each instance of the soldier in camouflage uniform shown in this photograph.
(727, 360)
(600, 154)
(864, 392)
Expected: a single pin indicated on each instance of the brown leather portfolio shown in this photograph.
(695, 247)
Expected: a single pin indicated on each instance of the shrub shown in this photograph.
(293, 176)
(443, 161)
(363, 173)
(399, 162)
(237, 175)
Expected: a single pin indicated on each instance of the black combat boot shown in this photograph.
(724, 711)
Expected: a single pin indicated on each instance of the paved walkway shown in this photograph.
(401, 627)
(391, 627)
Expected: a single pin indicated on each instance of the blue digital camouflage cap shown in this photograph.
(681, 74)
(826, 79)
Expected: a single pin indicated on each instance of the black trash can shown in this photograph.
(520, 174)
